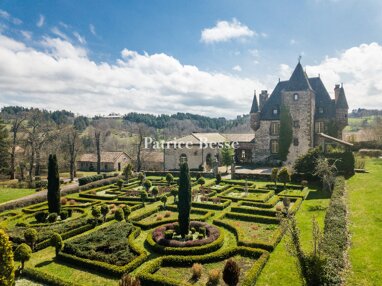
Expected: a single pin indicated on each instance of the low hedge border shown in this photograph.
(148, 277)
(303, 195)
(46, 243)
(195, 250)
(269, 204)
(205, 215)
(221, 188)
(83, 215)
(266, 212)
(253, 218)
(107, 268)
(211, 206)
(45, 278)
(269, 195)
(239, 182)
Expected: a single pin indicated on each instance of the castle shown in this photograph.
(315, 116)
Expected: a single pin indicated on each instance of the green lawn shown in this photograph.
(281, 268)
(9, 194)
(364, 198)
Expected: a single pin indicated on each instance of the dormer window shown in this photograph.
(295, 96)
(275, 111)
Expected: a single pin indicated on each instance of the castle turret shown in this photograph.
(254, 113)
(342, 109)
(263, 98)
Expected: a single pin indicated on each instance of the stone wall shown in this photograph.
(263, 139)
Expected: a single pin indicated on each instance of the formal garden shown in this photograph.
(225, 231)
(183, 230)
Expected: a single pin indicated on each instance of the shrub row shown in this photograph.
(269, 204)
(46, 278)
(106, 268)
(65, 235)
(89, 179)
(336, 234)
(211, 206)
(269, 195)
(148, 278)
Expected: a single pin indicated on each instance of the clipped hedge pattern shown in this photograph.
(148, 278)
(46, 278)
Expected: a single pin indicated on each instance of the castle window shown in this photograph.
(274, 146)
(275, 128)
(320, 110)
(320, 127)
(296, 124)
(295, 141)
(295, 96)
(275, 111)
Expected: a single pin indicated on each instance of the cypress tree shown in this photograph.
(54, 203)
(4, 146)
(184, 202)
(286, 132)
(7, 265)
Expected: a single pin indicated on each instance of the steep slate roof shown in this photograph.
(299, 80)
(255, 105)
(341, 101)
(106, 157)
(274, 101)
(323, 98)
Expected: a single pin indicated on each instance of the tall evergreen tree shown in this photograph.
(54, 203)
(7, 265)
(184, 202)
(4, 154)
(286, 132)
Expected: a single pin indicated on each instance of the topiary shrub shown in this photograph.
(201, 181)
(169, 178)
(213, 277)
(41, 216)
(197, 270)
(155, 191)
(126, 211)
(64, 215)
(231, 273)
(218, 178)
(23, 253)
(284, 176)
(57, 242)
(30, 237)
(104, 211)
(119, 215)
(147, 184)
(52, 217)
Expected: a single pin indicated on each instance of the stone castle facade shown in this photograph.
(311, 108)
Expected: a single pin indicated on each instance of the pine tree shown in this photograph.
(184, 202)
(54, 203)
(4, 154)
(7, 265)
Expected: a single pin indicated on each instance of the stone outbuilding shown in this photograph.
(110, 161)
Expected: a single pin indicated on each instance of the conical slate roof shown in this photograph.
(341, 101)
(255, 105)
(298, 81)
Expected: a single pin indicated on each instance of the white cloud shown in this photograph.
(56, 31)
(358, 68)
(225, 31)
(26, 34)
(5, 15)
(63, 76)
(92, 29)
(237, 68)
(79, 38)
(41, 21)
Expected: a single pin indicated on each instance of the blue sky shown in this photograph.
(178, 54)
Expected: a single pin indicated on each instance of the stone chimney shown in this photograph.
(263, 97)
(336, 92)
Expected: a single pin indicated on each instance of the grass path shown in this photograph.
(281, 267)
(10, 194)
(364, 199)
